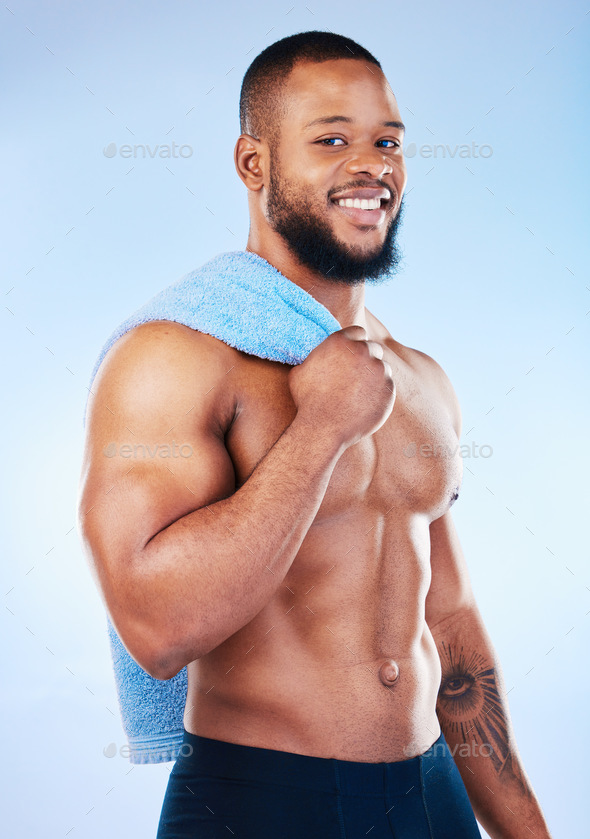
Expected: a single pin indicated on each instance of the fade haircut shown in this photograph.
(261, 103)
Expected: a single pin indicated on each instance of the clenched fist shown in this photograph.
(344, 387)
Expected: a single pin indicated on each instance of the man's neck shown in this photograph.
(345, 302)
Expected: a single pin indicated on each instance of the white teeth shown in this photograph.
(360, 203)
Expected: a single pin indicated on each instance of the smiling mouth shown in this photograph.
(366, 211)
(361, 203)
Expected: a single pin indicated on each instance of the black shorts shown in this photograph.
(220, 790)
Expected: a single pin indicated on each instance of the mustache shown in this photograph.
(362, 184)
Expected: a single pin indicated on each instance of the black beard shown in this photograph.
(310, 238)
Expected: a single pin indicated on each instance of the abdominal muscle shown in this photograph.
(340, 663)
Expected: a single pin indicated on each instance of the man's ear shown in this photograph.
(249, 159)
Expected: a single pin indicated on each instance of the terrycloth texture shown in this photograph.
(244, 301)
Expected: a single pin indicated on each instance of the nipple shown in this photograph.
(389, 672)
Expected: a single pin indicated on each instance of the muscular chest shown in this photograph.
(411, 463)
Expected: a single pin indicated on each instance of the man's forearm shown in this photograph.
(473, 713)
(206, 575)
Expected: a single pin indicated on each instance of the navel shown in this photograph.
(389, 672)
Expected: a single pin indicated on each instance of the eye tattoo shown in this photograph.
(461, 695)
(470, 708)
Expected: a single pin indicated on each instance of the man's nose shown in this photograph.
(372, 162)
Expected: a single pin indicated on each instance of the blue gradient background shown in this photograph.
(494, 286)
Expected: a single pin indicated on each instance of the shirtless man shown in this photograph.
(311, 579)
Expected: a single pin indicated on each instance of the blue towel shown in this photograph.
(244, 301)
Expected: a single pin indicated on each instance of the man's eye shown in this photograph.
(395, 143)
(331, 140)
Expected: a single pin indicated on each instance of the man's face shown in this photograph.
(348, 155)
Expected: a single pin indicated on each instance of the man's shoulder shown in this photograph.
(428, 367)
(168, 370)
(159, 359)
(424, 367)
(172, 341)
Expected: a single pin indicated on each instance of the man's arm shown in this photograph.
(182, 560)
(472, 707)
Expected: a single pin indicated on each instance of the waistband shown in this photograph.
(218, 758)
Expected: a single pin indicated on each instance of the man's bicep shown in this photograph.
(450, 587)
(155, 448)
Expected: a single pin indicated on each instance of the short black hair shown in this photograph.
(260, 97)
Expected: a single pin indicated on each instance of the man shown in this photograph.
(336, 656)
